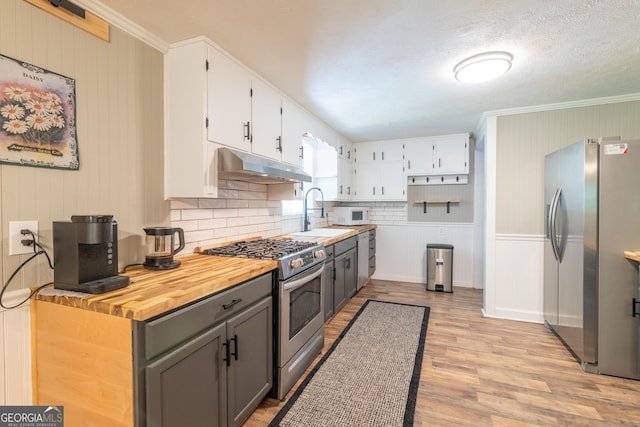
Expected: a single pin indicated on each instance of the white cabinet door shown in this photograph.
(419, 157)
(266, 120)
(451, 155)
(189, 169)
(391, 178)
(366, 171)
(229, 102)
(293, 126)
(379, 171)
(345, 179)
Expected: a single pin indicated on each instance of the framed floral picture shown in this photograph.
(37, 116)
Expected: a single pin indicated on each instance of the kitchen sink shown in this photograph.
(323, 232)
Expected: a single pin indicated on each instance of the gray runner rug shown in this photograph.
(369, 376)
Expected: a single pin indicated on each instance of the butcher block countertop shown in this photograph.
(634, 255)
(357, 229)
(152, 293)
(155, 292)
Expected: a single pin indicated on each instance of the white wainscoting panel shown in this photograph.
(401, 251)
(518, 286)
(15, 351)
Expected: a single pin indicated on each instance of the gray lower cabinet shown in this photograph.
(207, 364)
(346, 279)
(188, 386)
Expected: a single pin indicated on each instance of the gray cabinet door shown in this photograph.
(350, 273)
(250, 373)
(339, 285)
(188, 385)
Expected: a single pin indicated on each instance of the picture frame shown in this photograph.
(37, 117)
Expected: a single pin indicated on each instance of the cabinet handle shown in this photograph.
(340, 188)
(383, 155)
(302, 152)
(439, 163)
(409, 164)
(349, 190)
(374, 155)
(341, 150)
(334, 274)
(247, 131)
(231, 304)
(635, 304)
(279, 144)
(383, 190)
(235, 347)
(349, 154)
(227, 358)
(374, 191)
(347, 263)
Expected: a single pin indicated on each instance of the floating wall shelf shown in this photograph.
(438, 201)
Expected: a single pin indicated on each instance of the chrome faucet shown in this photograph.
(306, 215)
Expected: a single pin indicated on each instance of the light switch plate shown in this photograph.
(15, 238)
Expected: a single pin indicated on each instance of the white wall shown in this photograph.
(515, 145)
(401, 251)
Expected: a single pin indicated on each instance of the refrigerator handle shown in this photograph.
(553, 210)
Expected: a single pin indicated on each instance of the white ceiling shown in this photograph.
(382, 69)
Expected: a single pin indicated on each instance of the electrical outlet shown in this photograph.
(15, 237)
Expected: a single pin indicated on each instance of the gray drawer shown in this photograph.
(344, 245)
(372, 246)
(167, 331)
(372, 265)
(372, 234)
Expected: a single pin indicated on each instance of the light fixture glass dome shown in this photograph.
(482, 67)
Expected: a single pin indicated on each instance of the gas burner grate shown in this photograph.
(260, 249)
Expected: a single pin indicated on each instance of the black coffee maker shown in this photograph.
(85, 252)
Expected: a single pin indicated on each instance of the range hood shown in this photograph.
(240, 166)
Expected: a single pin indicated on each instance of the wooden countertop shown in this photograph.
(155, 292)
(633, 255)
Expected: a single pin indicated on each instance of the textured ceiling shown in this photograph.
(382, 69)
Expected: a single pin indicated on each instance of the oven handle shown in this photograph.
(290, 286)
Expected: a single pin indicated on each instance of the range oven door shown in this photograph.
(301, 311)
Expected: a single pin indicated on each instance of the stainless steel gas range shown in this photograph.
(299, 324)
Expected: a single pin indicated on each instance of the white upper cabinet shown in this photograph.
(267, 121)
(442, 155)
(451, 155)
(190, 169)
(212, 100)
(228, 98)
(379, 171)
(294, 124)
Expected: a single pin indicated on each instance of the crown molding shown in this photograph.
(125, 24)
(563, 105)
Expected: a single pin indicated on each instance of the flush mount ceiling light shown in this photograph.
(482, 67)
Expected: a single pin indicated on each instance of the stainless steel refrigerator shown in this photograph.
(592, 206)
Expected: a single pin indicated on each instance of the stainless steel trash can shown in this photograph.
(439, 267)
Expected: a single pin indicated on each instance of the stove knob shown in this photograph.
(319, 253)
(295, 263)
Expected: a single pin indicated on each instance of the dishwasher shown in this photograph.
(363, 259)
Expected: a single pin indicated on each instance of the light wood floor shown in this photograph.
(480, 371)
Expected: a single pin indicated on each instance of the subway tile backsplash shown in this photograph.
(243, 211)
